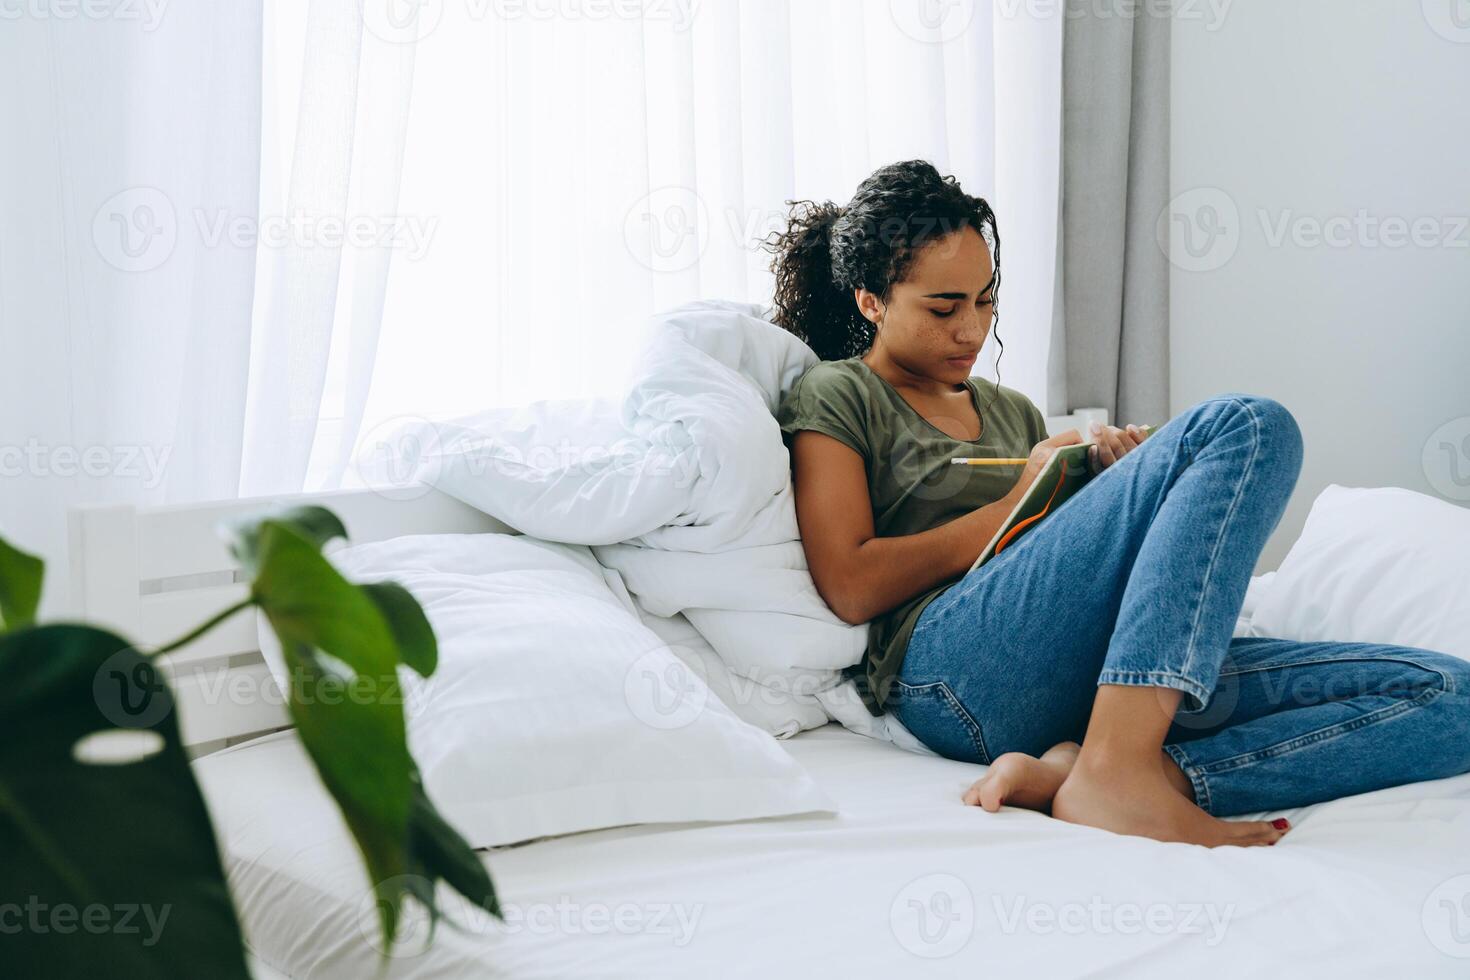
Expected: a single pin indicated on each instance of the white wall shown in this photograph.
(1310, 110)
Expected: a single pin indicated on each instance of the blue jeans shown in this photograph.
(1138, 580)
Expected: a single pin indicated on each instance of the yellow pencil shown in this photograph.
(988, 462)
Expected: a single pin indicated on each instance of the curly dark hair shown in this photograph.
(828, 251)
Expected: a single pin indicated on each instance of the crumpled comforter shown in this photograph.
(681, 485)
(703, 392)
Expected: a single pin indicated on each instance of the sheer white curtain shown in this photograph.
(226, 260)
(130, 143)
(529, 179)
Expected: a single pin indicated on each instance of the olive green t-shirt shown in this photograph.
(912, 485)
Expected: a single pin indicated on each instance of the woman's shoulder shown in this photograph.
(846, 378)
(844, 371)
(830, 397)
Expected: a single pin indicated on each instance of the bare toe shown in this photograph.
(994, 792)
(1017, 779)
(1255, 833)
(1138, 800)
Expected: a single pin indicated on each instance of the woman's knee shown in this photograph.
(1452, 673)
(1447, 747)
(1270, 422)
(1412, 673)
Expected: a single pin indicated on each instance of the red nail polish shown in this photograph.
(1281, 823)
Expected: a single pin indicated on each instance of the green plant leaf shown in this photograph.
(20, 586)
(343, 643)
(351, 727)
(357, 743)
(308, 601)
(417, 646)
(316, 524)
(128, 844)
(440, 852)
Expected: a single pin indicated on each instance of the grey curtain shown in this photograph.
(1111, 329)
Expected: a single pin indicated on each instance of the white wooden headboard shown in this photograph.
(152, 574)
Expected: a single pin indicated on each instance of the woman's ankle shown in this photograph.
(1177, 777)
(1108, 762)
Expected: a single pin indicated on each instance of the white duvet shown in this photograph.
(683, 487)
(904, 881)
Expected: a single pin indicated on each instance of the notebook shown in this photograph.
(1064, 474)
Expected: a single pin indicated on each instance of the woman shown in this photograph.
(1110, 622)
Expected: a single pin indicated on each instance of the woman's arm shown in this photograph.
(860, 575)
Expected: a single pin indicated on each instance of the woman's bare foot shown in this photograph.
(1140, 800)
(1017, 779)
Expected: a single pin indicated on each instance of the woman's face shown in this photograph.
(936, 320)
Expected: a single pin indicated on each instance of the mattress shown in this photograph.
(904, 881)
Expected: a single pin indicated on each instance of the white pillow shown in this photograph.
(1380, 565)
(768, 708)
(553, 709)
(561, 469)
(1253, 592)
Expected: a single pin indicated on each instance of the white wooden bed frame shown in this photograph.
(152, 574)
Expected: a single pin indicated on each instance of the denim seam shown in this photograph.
(1156, 678)
(1446, 682)
(977, 738)
(919, 628)
(929, 620)
(1321, 735)
(963, 588)
(976, 735)
(1193, 773)
(1189, 651)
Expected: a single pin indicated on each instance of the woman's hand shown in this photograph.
(1040, 453)
(1111, 444)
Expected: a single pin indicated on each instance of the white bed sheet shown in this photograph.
(904, 882)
